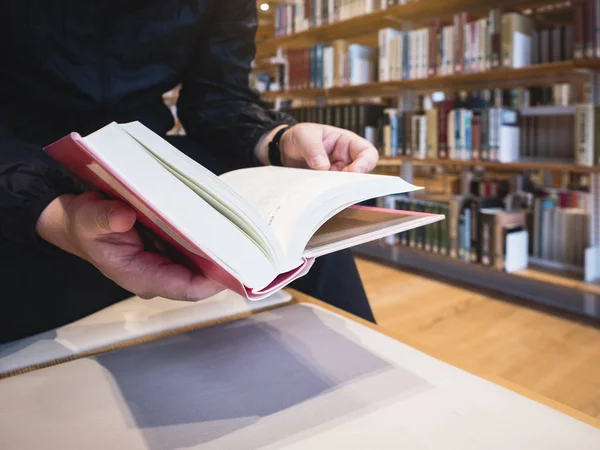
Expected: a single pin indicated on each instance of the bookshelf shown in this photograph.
(539, 74)
(561, 166)
(412, 12)
(573, 288)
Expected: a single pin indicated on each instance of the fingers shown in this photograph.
(310, 143)
(151, 275)
(97, 216)
(364, 156)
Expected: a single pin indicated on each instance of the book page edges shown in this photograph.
(420, 219)
(71, 151)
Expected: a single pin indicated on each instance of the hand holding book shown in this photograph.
(322, 147)
(102, 232)
(252, 230)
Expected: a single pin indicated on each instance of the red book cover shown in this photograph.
(78, 157)
(443, 111)
(434, 31)
(305, 68)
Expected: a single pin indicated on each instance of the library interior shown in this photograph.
(487, 323)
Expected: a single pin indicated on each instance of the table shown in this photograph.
(302, 375)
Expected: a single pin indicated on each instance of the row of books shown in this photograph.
(559, 234)
(479, 127)
(464, 46)
(326, 66)
(476, 230)
(482, 38)
(304, 14)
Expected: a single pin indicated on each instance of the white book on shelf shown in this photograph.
(318, 12)
(468, 48)
(509, 136)
(481, 39)
(393, 57)
(475, 46)
(328, 72)
(412, 54)
(449, 41)
(370, 6)
(424, 52)
(400, 56)
(385, 37)
(423, 137)
(361, 64)
(584, 134)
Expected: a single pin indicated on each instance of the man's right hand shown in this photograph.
(102, 232)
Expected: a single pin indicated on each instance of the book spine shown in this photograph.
(384, 68)
(476, 137)
(458, 126)
(596, 28)
(433, 37)
(408, 127)
(590, 34)
(425, 52)
(401, 133)
(578, 29)
(487, 234)
(450, 134)
(495, 19)
(458, 44)
(442, 126)
(468, 47)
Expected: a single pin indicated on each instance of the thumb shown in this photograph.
(313, 151)
(106, 216)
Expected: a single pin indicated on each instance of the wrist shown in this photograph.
(261, 150)
(52, 224)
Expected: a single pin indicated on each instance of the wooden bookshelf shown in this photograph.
(539, 74)
(563, 166)
(409, 13)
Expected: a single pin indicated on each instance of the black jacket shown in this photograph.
(73, 65)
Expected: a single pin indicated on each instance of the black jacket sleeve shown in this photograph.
(216, 106)
(29, 181)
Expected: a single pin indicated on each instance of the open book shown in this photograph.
(253, 230)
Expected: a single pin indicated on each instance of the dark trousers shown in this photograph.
(41, 290)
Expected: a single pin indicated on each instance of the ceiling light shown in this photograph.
(264, 6)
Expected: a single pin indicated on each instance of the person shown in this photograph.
(65, 251)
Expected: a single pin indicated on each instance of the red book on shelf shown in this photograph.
(434, 31)
(444, 108)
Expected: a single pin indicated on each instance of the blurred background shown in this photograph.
(492, 107)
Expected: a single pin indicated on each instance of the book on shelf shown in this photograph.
(477, 229)
(462, 44)
(327, 66)
(253, 230)
(496, 126)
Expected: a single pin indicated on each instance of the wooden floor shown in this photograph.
(553, 355)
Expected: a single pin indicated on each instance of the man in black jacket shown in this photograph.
(76, 66)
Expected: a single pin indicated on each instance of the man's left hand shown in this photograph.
(323, 147)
